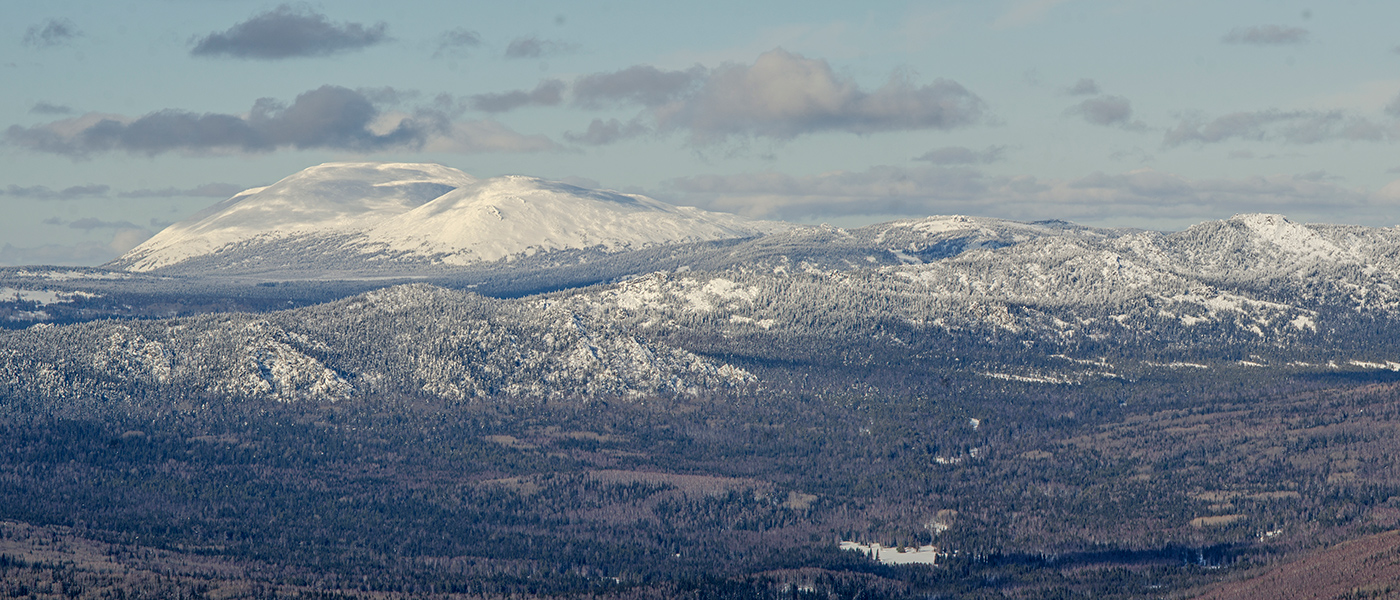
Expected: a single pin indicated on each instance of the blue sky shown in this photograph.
(120, 118)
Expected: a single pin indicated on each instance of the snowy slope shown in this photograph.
(341, 213)
(508, 216)
(1041, 303)
(333, 198)
(1250, 285)
(417, 340)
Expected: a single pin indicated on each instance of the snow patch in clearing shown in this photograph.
(71, 274)
(923, 555)
(1178, 365)
(43, 297)
(1387, 365)
(1029, 378)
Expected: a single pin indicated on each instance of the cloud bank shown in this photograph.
(784, 95)
(1142, 196)
(329, 117)
(285, 32)
(781, 95)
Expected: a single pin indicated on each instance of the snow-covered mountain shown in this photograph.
(1218, 293)
(1039, 303)
(338, 215)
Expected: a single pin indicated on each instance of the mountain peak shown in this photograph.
(1256, 220)
(1278, 231)
(425, 213)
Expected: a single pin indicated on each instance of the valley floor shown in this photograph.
(1052, 495)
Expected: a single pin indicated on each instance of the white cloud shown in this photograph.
(784, 95)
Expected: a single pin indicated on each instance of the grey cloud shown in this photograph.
(456, 42)
(90, 223)
(784, 95)
(547, 93)
(1107, 111)
(45, 108)
(1393, 109)
(1144, 197)
(1329, 126)
(643, 84)
(602, 132)
(533, 47)
(53, 32)
(285, 32)
(1242, 125)
(207, 190)
(329, 117)
(959, 155)
(1083, 87)
(40, 192)
(1299, 127)
(1266, 35)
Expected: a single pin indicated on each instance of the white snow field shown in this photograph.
(432, 213)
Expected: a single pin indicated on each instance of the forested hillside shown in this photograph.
(1049, 410)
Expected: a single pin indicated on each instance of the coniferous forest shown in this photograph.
(630, 426)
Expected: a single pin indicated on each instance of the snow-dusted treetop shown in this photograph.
(428, 212)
